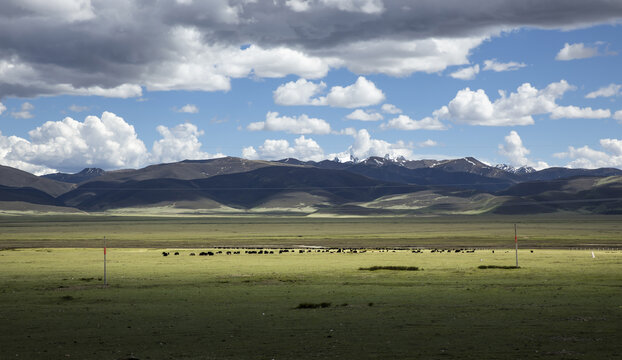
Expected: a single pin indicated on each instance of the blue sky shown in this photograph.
(341, 79)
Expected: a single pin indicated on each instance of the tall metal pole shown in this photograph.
(105, 280)
(516, 244)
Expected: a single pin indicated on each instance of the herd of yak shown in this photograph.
(302, 251)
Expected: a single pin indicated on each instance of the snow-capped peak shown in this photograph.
(514, 170)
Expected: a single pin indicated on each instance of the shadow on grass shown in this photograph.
(396, 268)
(312, 306)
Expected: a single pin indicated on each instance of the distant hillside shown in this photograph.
(15, 178)
(27, 195)
(186, 170)
(242, 190)
(372, 186)
(84, 175)
(582, 194)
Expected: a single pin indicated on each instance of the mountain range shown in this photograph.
(372, 186)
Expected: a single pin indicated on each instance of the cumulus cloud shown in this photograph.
(475, 108)
(404, 122)
(365, 146)
(299, 92)
(576, 51)
(362, 6)
(198, 45)
(363, 115)
(588, 158)
(516, 153)
(467, 73)
(427, 143)
(575, 112)
(493, 65)
(188, 109)
(78, 108)
(2, 108)
(178, 143)
(302, 92)
(106, 142)
(618, 115)
(391, 109)
(298, 5)
(403, 57)
(360, 94)
(303, 149)
(607, 91)
(24, 112)
(302, 124)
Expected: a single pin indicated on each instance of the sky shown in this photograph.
(128, 83)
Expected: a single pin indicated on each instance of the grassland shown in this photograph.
(553, 231)
(561, 304)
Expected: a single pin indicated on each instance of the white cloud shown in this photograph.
(618, 115)
(475, 108)
(304, 149)
(2, 108)
(300, 92)
(24, 113)
(575, 112)
(364, 146)
(78, 108)
(63, 10)
(403, 57)
(363, 115)
(390, 109)
(576, 51)
(298, 5)
(302, 124)
(516, 152)
(360, 94)
(108, 142)
(493, 65)
(178, 143)
(588, 158)
(607, 91)
(189, 109)
(69, 145)
(362, 6)
(427, 143)
(404, 122)
(467, 73)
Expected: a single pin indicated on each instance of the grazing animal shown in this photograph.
(228, 252)
(164, 253)
(191, 254)
(209, 253)
(176, 253)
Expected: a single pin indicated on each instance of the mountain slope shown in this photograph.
(186, 170)
(15, 178)
(84, 175)
(242, 190)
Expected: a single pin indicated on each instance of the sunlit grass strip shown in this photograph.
(395, 268)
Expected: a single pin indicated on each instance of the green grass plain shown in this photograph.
(541, 231)
(561, 304)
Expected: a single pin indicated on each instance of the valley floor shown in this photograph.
(560, 304)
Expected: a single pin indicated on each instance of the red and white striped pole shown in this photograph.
(105, 281)
(516, 244)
